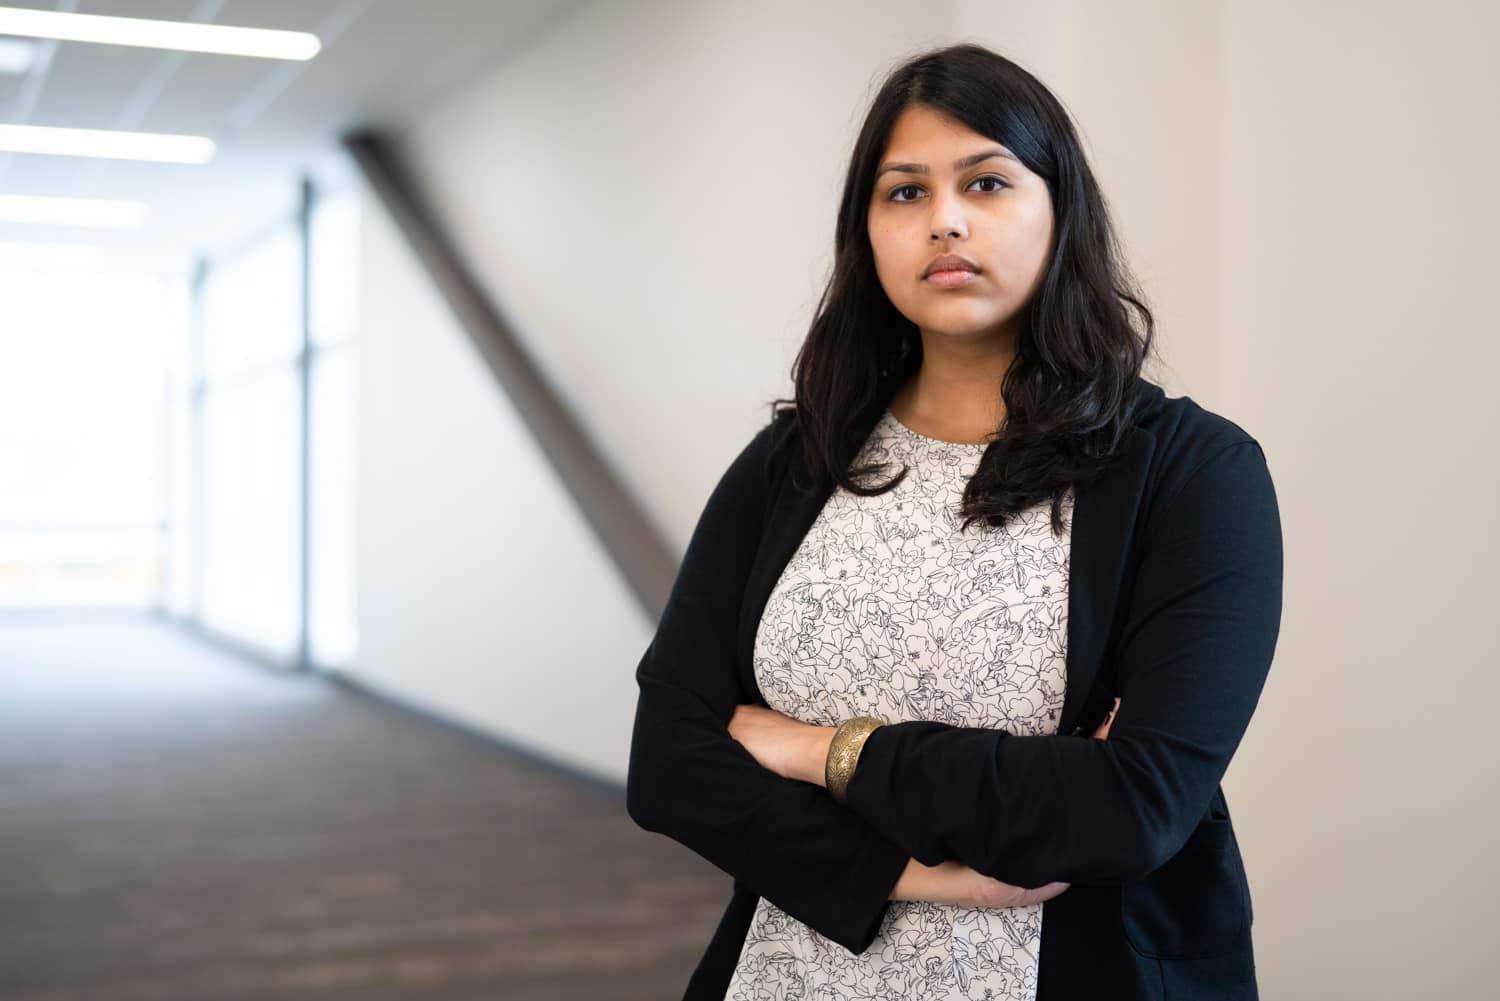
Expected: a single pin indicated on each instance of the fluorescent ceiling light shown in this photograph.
(72, 211)
(16, 254)
(105, 143)
(184, 36)
(16, 56)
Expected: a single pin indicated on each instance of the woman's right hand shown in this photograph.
(989, 892)
(955, 883)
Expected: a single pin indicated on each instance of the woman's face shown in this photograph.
(937, 192)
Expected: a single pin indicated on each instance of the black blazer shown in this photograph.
(1174, 605)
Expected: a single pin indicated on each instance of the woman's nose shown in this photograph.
(947, 217)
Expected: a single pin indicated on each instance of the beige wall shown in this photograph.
(1357, 324)
(1304, 192)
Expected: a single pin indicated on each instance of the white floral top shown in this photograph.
(886, 610)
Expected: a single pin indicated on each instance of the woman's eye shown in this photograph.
(999, 184)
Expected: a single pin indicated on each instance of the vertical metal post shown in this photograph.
(195, 449)
(304, 368)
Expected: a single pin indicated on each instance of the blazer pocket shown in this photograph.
(1196, 905)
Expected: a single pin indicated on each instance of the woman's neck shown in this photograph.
(952, 402)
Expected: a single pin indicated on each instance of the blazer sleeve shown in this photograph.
(1200, 628)
(690, 780)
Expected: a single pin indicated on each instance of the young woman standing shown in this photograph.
(968, 634)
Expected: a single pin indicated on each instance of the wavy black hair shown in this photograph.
(1068, 393)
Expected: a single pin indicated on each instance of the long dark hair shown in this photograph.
(1069, 391)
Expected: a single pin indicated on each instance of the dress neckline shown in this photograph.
(896, 423)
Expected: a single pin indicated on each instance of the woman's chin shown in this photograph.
(960, 328)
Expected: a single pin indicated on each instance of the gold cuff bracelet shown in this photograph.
(843, 753)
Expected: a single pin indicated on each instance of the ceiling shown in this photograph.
(382, 63)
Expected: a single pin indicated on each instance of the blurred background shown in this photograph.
(362, 379)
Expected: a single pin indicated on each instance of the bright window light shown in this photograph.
(106, 143)
(16, 56)
(52, 211)
(265, 43)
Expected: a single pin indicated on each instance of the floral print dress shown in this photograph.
(886, 609)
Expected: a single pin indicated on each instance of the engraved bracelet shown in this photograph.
(843, 753)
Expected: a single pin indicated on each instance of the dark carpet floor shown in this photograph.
(177, 825)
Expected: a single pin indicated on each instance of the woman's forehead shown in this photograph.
(922, 138)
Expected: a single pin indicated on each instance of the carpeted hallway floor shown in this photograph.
(176, 825)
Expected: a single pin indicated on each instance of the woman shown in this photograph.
(966, 636)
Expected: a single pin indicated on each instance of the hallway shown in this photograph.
(178, 824)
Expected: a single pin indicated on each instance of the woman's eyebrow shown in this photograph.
(968, 161)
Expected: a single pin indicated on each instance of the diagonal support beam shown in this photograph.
(631, 540)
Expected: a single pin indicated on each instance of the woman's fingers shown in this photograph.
(1044, 893)
(993, 893)
(1103, 730)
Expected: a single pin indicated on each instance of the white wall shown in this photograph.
(649, 194)
(686, 157)
(651, 203)
(484, 597)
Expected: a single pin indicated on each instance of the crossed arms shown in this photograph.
(1190, 664)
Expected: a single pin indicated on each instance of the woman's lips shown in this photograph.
(952, 278)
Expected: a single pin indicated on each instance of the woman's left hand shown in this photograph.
(791, 749)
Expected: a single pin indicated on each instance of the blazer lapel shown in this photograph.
(1104, 513)
(792, 513)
